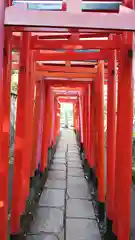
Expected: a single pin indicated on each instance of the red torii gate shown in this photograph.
(115, 189)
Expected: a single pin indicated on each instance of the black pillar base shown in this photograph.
(96, 182)
(109, 236)
(86, 168)
(109, 233)
(101, 211)
(81, 148)
(17, 237)
(91, 174)
(50, 156)
(31, 182)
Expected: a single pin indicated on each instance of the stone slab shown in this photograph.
(72, 148)
(56, 174)
(78, 208)
(58, 166)
(73, 153)
(74, 164)
(80, 181)
(74, 159)
(61, 148)
(82, 229)
(55, 184)
(78, 188)
(59, 155)
(42, 237)
(59, 160)
(77, 172)
(46, 236)
(47, 220)
(52, 198)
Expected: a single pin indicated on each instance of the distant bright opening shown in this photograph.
(66, 115)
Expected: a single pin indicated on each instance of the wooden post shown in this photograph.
(5, 86)
(88, 130)
(100, 138)
(46, 129)
(111, 141)
(81, 124)
(124, 145)
(22, 161)
(36, 125)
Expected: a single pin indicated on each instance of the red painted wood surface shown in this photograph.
(5, 134)
(71, 56)
(21, 157)
(37, 109)
(111, 135)
(89, 125)
(100, 131)
(46, 128)
(123, 172)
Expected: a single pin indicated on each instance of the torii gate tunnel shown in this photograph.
(67, 55)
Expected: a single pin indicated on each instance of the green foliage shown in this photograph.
(14, 86)
(133, 174)
(14, 81)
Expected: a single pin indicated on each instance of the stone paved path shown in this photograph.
(65, 209)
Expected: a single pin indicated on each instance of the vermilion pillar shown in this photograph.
(57, 127)
(22, 139)
(83, 127)
(84, 106)
(55, 121)
(92, 134)
(40, 130)
(95, 132)
(88, 124)
(81, 123)
(92, 127)
(5, 135)
(74, 115)
(9, 2)
(100, 137)
(78, 117)
(52, 121)
(111, 141)
(36, 124)
(29, 120)
(50, 118)
(46, 128)
(86, 121)
(124, 146)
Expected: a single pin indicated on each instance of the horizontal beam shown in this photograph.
(65, 100)
(65, 69)
(67, 83)
(64, 89)
(64, 75)
(36, 30)
(79, 44)
(40, 44)
(62, 68)
(78, 64)
(71, 56)
(15, 16)
(68, 35)
(66, 95)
